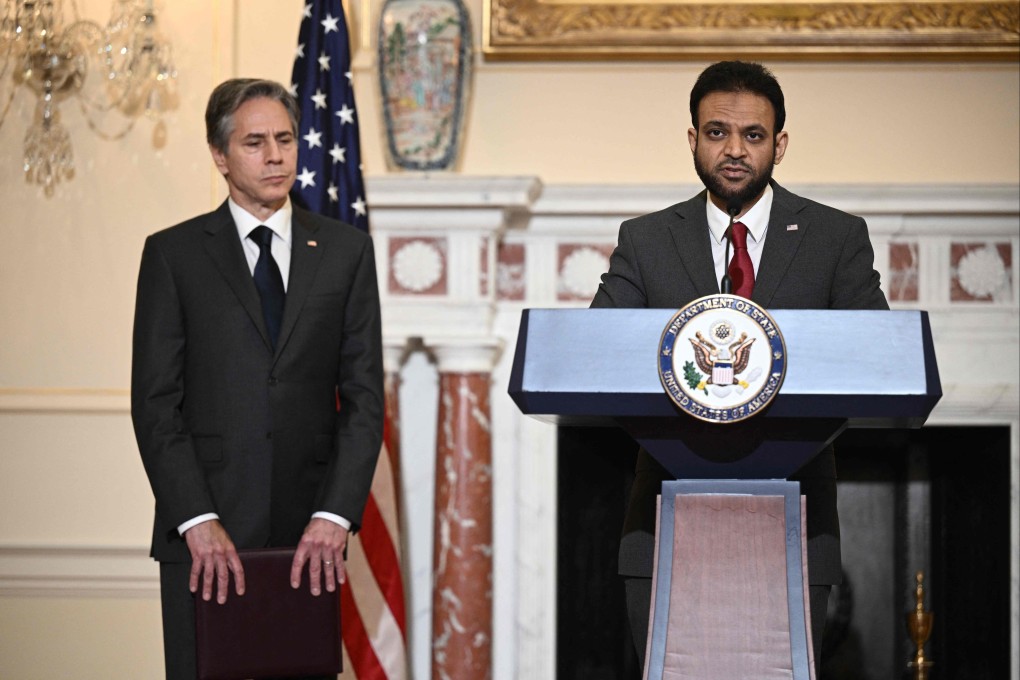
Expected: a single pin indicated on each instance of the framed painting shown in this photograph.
(695, 30)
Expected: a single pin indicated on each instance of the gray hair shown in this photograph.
(228, 97)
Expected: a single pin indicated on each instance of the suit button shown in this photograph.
(272, 382)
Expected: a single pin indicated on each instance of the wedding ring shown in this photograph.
(328, 563)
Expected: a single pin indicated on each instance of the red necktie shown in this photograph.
(741, 270)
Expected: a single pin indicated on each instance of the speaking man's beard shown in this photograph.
(721, 189)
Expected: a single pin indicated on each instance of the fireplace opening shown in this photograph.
(935, 500)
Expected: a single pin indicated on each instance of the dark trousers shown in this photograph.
(639, 602)
(179, 623)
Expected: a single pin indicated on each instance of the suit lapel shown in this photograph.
(305, 256)
(784, 237)
(227, 253)
(691, 237)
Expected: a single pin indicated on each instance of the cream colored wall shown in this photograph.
(598, 122)
(69, 471)
(43, 638)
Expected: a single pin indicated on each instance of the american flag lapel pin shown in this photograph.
(791, 227)
(313, 244)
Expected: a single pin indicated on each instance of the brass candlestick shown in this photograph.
(919, 623)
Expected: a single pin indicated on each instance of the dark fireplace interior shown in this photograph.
(935, 500)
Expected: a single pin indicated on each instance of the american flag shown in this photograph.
(329, 178)
(329, 181)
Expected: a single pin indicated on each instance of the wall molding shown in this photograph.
(64, 400)
(77, 571)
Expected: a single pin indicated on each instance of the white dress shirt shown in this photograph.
(757, 222)
(279, 223)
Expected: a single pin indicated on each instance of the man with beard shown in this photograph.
(788, 253)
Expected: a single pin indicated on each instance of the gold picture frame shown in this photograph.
(693, 30)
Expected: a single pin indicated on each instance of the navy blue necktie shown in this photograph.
(269, 282)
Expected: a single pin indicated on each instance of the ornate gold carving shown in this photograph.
(547, 28)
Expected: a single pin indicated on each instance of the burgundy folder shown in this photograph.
(273, 630)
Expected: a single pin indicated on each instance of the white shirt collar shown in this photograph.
(756, 219)
(278, 222)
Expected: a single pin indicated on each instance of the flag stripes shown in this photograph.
(375, 587)
(363, 661)
(382, 558)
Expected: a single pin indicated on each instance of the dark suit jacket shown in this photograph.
(226, 425)
(664, 259)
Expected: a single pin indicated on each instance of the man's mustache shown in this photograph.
(731, 163)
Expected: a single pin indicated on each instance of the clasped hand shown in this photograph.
(214, 558)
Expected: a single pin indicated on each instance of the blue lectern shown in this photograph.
(844, 369)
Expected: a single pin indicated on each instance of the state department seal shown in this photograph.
(722, 358)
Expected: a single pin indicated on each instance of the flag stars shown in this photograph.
(307, 177)
(359, 207)
(345, 114)
(335, 186)
(338, 153)
(313, 138)
(293, 90)
(329, 23)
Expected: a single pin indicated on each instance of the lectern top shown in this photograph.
(590, 366)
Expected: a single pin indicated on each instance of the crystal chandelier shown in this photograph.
(116, 72)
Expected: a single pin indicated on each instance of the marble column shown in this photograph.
(394, 353)
(462, 550)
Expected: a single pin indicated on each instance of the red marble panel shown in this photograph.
(904, 268)
(510, 270)
(981, 272)
(462, 553)
(417, 265)
(391, 429)
(579, 267)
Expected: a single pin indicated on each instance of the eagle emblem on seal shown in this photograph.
(725, 381)
(725, 358)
